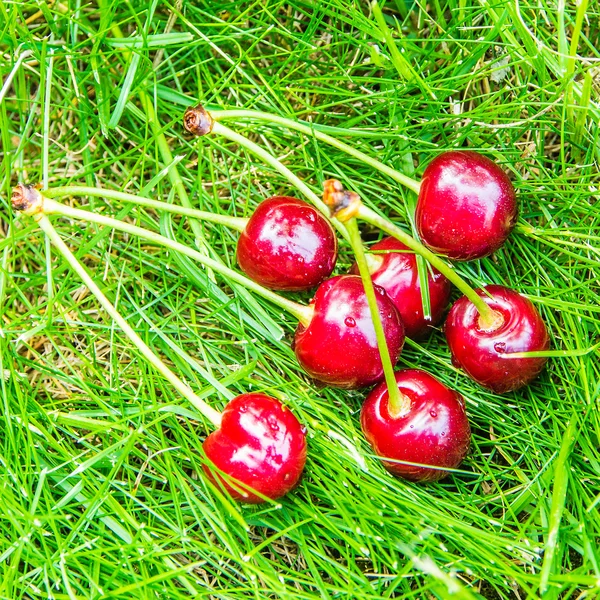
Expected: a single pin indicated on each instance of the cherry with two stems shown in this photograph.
(258, 450)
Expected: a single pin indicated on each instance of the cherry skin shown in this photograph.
(432, 429)
(261, 444)
(287, 245)
(339, 346)
(481, 353)
(398, 275)
(467, 205)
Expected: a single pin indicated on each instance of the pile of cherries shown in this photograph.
(466, 209)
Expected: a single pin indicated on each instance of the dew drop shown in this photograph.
(433, 413)
(303, 430)
(412, 426)
(300, 260)
(350, 321)
(500, 347)
(243, 408)
(311, 217)
(273, 424)
(287, 477)
(455, 362)
(379, 290)
(443, 434)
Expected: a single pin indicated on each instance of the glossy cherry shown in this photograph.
(287, 245)
(481, 352)
(467, 205)
(395, 270)
(339, 347)
(432, 428)
(260, 444)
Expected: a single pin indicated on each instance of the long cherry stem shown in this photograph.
(301, 312)
(210, 413)
(237, 223)
(488, 318)
(395, 401)
(408, 182)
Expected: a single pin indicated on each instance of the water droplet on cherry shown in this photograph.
(433, 413)
(500, 347)
(350, 321)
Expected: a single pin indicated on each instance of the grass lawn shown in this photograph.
(102, 493)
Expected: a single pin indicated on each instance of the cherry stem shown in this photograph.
(268, 158)
(301, 312)
(395, 400)
(310, 130)
(488, 318)
(237, 223)
(210, 413)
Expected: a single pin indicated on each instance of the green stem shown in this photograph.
(488, 318)
(237, 223)
(408, 182)
(268, 158)
(396, 405)
(210, 413)
(301, 312)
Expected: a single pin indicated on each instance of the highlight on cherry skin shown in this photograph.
(339, 347)
(481, 352)
(287, 245)
(466, 207)
(431, 428)
(260, 446)
(395, 270)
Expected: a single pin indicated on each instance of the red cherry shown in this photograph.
(467, 206)
(339, 346)
(432, 430)
(398, 275)
(480, 352)
(261, 444)
(287, 245)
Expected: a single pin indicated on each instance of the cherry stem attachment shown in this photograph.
(310, 130)
(237, 223)
(208, 411)
(396, 404)
(488, 318)
(49, 206)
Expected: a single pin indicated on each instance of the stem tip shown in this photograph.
(344, 205)
(198, 120)
(27, 199)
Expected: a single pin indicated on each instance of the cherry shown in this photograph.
(466, 207)
(339, 346)
(396, 272)
(287, 245)
(431, 429)
(261, 444)
(480, 352)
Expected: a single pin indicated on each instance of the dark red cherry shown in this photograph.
(481, 353)
(261, 444)
(287, 245)
(339, 346)
(467, 205)
(397, 273)
(432, 429)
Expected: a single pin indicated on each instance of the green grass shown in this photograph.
(101, 491)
